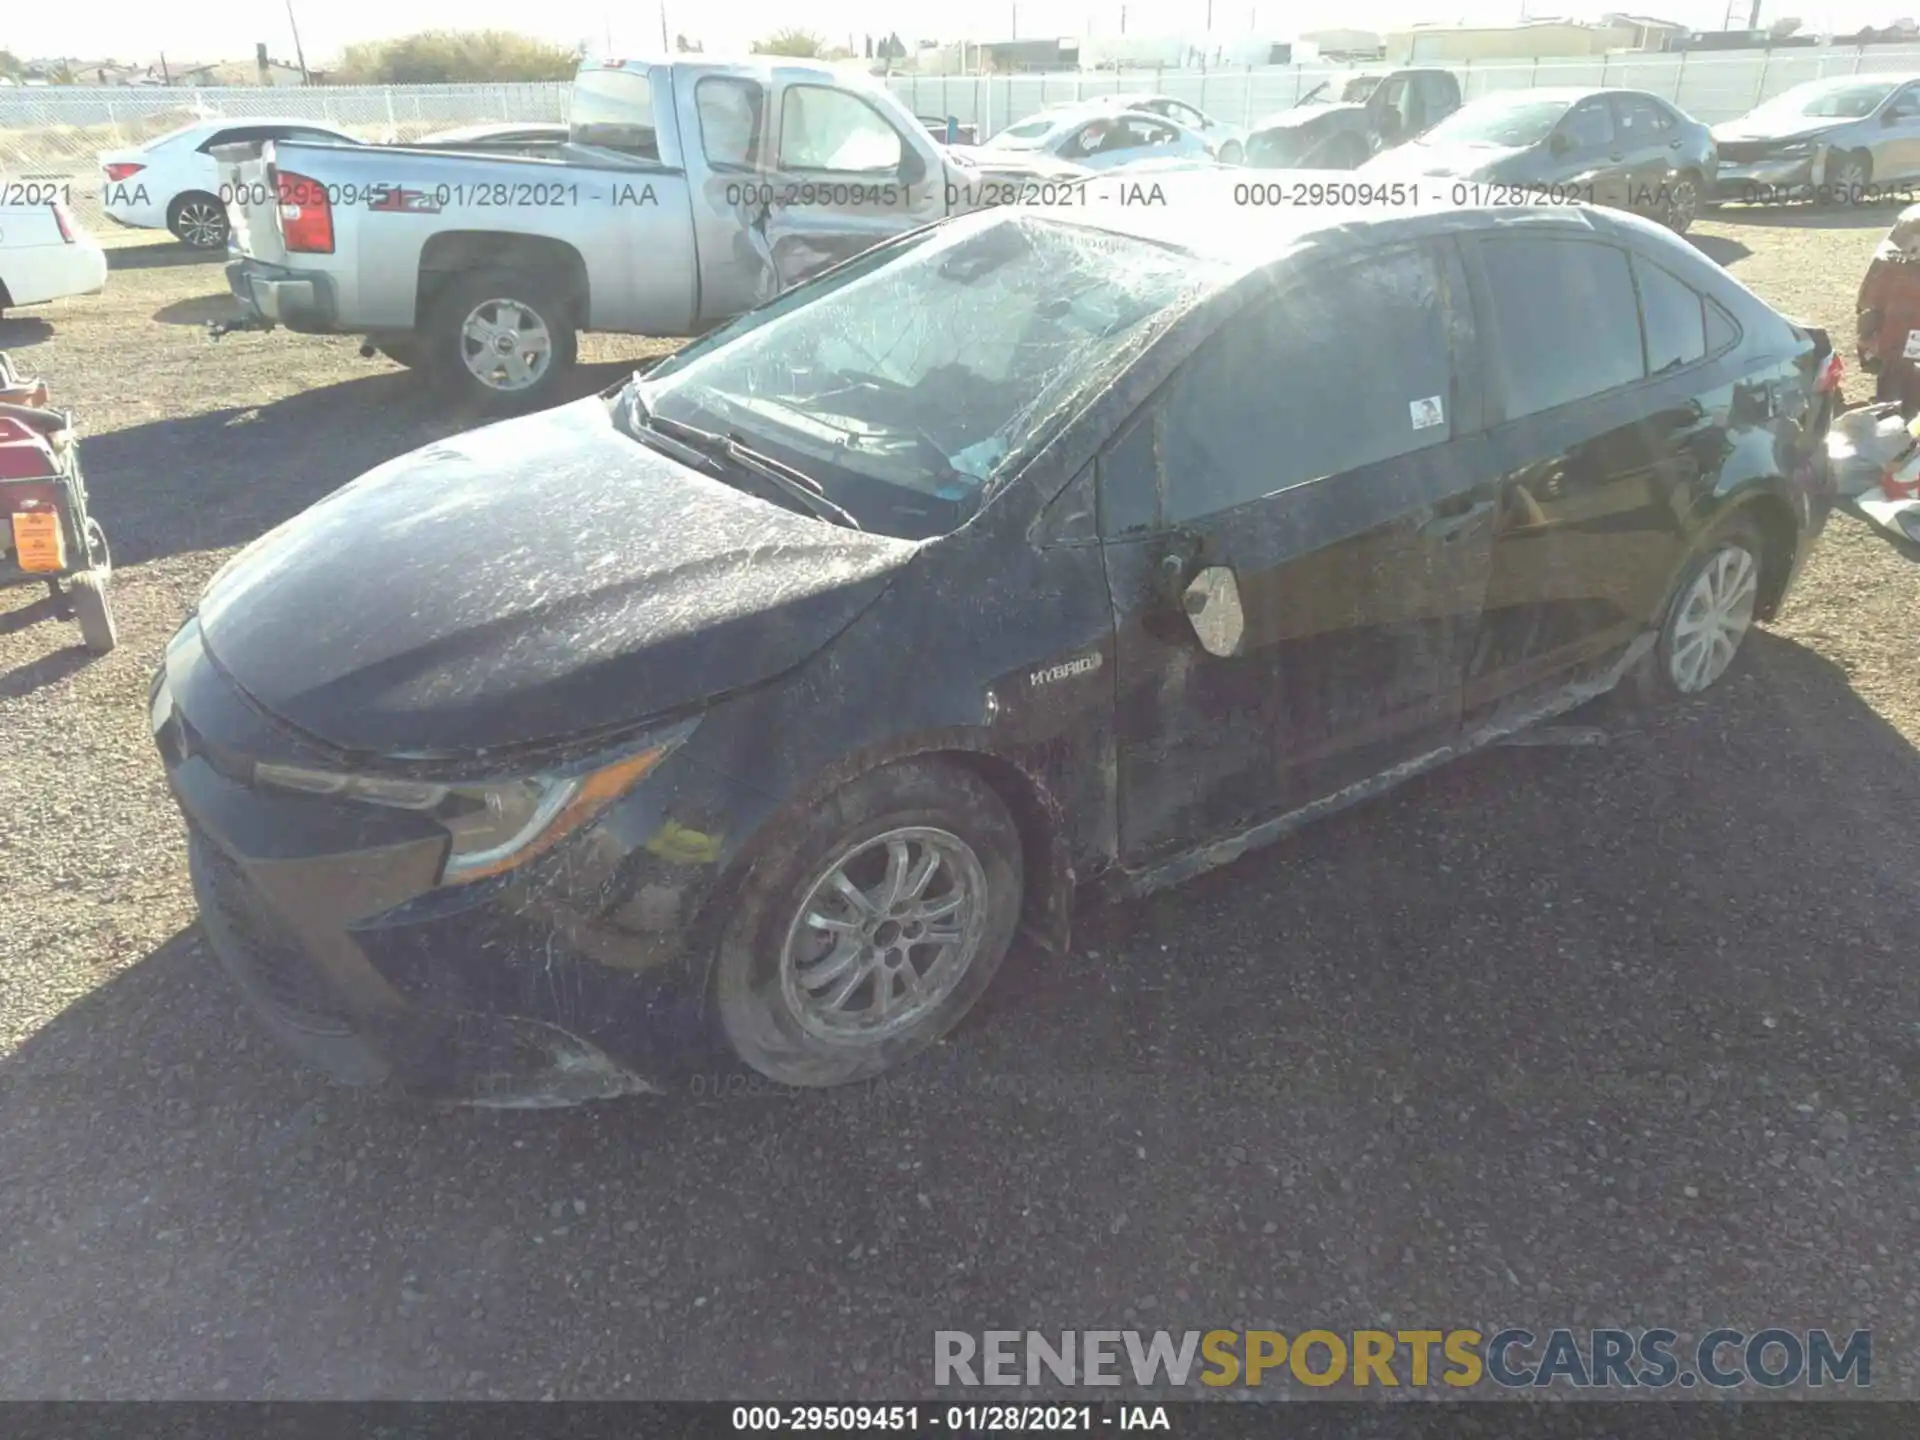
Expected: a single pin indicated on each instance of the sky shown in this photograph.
(207, 30)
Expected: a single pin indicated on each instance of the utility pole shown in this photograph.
(666, 45)
(298, 53)
(1015, 21)
(1753, 16)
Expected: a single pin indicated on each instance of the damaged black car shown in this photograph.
(762, 706)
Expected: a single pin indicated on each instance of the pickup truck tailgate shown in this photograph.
(248, 188)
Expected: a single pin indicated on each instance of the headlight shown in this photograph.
(498, 824)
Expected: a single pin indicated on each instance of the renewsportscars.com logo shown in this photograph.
(1656, 1358)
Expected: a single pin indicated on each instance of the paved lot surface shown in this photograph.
(1609, 1035)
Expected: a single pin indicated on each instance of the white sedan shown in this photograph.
(1228, 142)
(46, 254)
(1100, 137)
(173, 183)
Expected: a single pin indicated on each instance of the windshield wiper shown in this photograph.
(792, 483)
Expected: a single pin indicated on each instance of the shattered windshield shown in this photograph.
(1850, 101)
(1498, 121)
(926, 373)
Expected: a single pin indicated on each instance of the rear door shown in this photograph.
(1896, 149)
(1323, 446)
(1598, 460)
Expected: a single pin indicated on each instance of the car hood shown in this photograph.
(1786, 127)
(529, 582)
(1418, 158)
(978, 162)
(1309, 113)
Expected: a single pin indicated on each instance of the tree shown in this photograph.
(444, 57)
(685, 46)
(10, 65)
(803, 44)
(893, 47)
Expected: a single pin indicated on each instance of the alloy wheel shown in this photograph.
(884, 935)
(1712, 618)
(506, 345)
(203, 224)
(1683, 204)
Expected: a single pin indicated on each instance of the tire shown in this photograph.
(1667, 672)
(1852, 173)
(1232, 154)
(199, 220)
(776, 975)
(87, 593)
(503, 302)
(1683, 202)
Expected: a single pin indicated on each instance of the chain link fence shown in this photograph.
(56, 133)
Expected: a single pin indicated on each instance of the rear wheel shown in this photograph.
(1683, 203)
(1231, 153)
(872, 928)
(87, 593)
(1709, 614)
(500, 339)
(198, 219)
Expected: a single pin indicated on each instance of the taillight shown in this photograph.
(121, 170)
(63, 220)
(1831, 374)
(306, 216)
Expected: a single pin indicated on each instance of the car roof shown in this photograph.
(1242, 240)
(1566, 93)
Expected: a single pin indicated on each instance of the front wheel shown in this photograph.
(500, 340)
(872, 928)
(1851, 174)
(1709, 613)
(1232, 154)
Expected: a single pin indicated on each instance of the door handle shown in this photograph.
(1451, 526)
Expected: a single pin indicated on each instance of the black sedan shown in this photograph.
(759, 706)
(1621, 148)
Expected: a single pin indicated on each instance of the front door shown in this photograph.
(1585, 154)
(1896, 149)
(1648, 138)
(843, 179)
(1321, 446)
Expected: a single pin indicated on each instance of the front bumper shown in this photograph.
(580, 979)
(276, 295)
(1764, 180)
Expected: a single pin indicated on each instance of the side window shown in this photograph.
(1722, 329)
(1588, 125)
(232, 135)
(1143, 132)
(1641, 120)
(1674, 314)
(1439, 96)
(823, 129)
(1564, 318)
(730, 110)
(1348, 368)
(1905, 104)
(1186, 115)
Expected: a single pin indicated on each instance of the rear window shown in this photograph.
(1565, 319)
(1675, 317)
(614, 109)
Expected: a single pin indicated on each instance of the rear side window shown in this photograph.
(1721, 329)
(1565, 320)
(1588, 125)
(1348, 368)
(1675, 317)
(729, 108)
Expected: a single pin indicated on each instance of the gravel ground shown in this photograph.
(1614, 1035)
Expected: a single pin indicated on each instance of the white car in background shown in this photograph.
(46, 254)
(1228, 142)
(1097, 135)
(173, 183)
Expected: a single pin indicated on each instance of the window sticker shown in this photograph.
(1427, 413)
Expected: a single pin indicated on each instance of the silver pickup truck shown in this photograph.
(684, 193)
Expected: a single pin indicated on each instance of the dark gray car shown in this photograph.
(1625, 149)
(1829, 139)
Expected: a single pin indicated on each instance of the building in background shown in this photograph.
(1347, 44)
(1535, 40)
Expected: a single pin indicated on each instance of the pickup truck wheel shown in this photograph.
(199, 220)
(500, 339)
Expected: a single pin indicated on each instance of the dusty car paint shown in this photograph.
(1396, 614)
(1777, 152)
